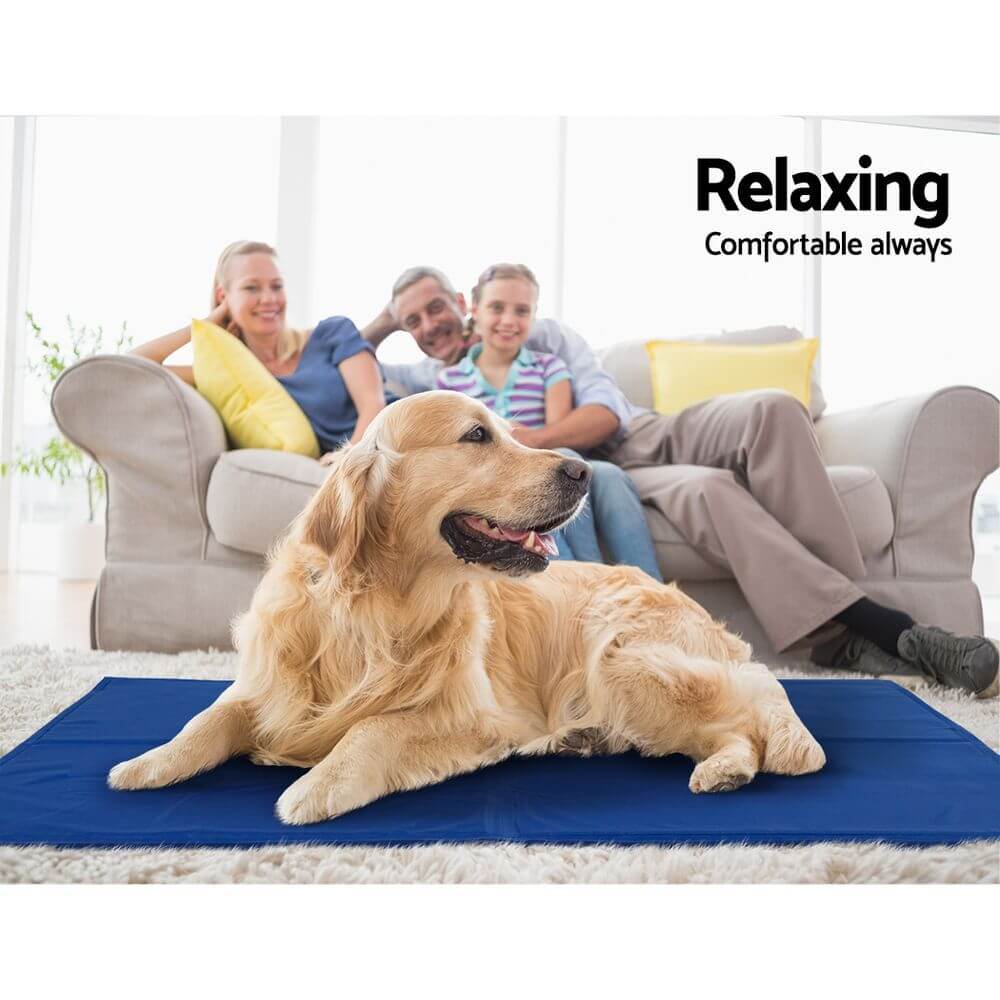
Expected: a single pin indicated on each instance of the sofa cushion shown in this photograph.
(628, 363)
(685, 372)
(254, 495)
(256, 409)
(863, 494)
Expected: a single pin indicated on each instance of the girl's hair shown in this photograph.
(290, 341)
(498, 272)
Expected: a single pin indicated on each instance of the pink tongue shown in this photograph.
(514, 536)
(549, 544)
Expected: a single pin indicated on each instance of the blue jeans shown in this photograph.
(613, 511)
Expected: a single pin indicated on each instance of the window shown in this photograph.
(6, 155)
(456, 193)
(896, 325)
(636, 265)
(129, 217)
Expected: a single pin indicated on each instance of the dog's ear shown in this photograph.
(340, 515)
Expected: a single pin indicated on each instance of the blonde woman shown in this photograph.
(329, 371)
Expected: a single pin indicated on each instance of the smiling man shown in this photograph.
(425, 304)
(741, 477)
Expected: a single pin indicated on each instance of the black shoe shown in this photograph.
(850, 651)
(959, 661)
(966, 662)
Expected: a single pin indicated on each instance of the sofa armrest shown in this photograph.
(932, 452)
(157, 440)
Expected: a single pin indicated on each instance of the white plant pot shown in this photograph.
(80, 555)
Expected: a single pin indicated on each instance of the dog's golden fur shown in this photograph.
(375, 657)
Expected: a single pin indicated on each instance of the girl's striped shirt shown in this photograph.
(522, 399)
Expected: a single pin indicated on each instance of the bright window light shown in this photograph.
(131, 214)
(894, 326)
(636, 266)
(129, 217)
(6, 156)
(455, 193)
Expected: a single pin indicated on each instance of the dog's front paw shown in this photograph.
(301, 803)
(139, 772)
(309, 800)
(720, 774)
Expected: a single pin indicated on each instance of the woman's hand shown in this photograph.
(327, 458)
(221, 318)
(161, 348)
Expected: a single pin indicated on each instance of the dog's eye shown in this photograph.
(478, 435)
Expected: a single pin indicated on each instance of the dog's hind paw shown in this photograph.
(587, 742)
(721, 774)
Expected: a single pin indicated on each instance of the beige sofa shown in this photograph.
(189, 521)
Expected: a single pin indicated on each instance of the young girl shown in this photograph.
(534, 389)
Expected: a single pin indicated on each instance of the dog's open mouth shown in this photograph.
(513, 549)
(534, 540)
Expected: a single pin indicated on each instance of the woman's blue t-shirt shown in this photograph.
(319, 388)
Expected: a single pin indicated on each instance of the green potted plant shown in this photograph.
(81, 544)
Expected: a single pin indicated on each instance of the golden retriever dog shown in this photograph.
(405, 632)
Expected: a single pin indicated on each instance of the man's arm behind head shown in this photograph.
(381, 326)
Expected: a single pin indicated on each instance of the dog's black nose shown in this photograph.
(577, 471)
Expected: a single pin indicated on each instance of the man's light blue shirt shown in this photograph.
(592, 385)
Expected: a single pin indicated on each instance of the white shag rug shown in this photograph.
(37, 683)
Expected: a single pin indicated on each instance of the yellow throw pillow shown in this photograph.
(686, 372)
(255, 407)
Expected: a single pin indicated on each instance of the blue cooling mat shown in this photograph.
(897, 771)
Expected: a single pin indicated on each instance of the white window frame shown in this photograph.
(298, 180)
(15, 335)
(989, 124)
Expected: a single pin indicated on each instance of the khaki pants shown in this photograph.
(746, 486)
